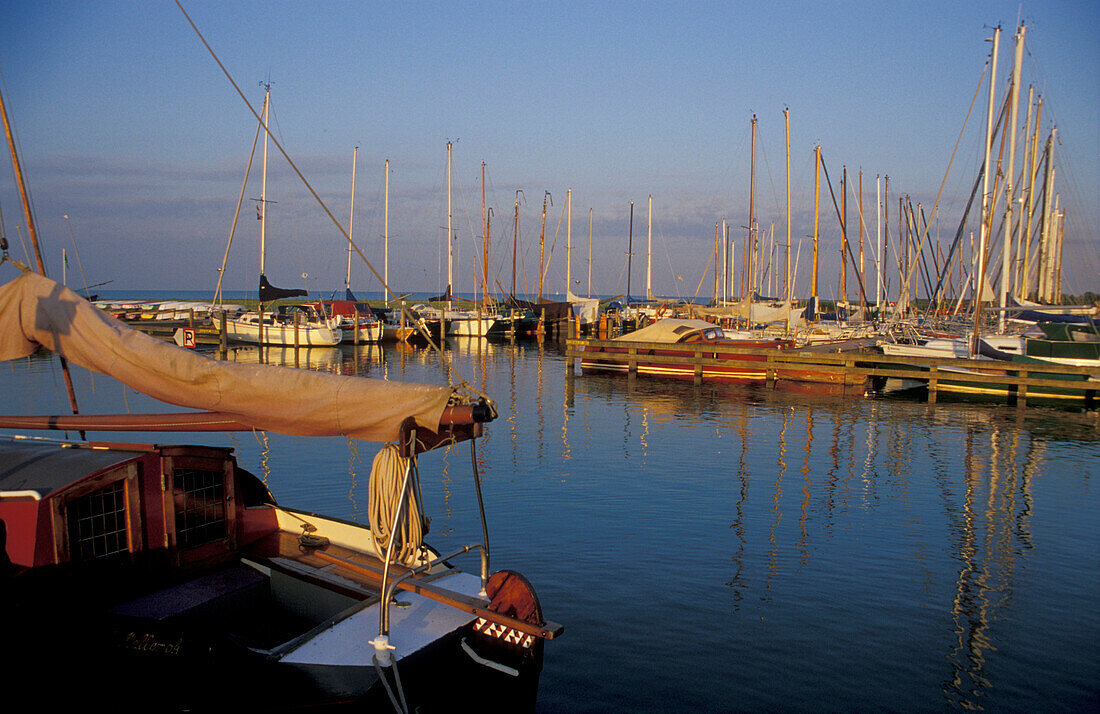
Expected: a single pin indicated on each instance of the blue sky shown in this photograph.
(127, 125)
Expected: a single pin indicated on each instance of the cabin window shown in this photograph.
(97, 523)
(200, 506)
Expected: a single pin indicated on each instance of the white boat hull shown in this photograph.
(471, 326)
(304, 335)
(370, 332)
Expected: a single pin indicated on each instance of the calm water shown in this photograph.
(729, 549)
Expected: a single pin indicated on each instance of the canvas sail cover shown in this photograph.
(38, 311)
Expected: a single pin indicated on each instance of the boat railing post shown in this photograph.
(297, 321)
(484, 524)
(384, 606)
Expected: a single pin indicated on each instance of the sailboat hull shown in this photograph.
(247, 329)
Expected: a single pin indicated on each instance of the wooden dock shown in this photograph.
(861, 372)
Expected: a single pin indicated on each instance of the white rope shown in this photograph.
(386, 478)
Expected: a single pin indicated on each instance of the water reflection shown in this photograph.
(913, 501)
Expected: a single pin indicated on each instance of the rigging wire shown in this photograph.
(463, 385)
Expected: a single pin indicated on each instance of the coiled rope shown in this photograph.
(386, 478)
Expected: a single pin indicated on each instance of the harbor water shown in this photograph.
(724, 549)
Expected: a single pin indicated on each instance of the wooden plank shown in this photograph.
(547, 631)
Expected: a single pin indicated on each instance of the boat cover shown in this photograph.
(671, 329)
(35, 310)
(761, 313)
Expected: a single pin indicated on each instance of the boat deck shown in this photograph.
(348, 572)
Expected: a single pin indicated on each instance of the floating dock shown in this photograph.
(861, 372)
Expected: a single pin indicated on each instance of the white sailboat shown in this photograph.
(468, 323)
(294, 326)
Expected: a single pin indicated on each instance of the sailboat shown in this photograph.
(467, 323)
(174, 568)
(354, 318)
(296, 325)
(586, 309)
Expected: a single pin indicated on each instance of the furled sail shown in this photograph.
(38, 311)
(269, 292)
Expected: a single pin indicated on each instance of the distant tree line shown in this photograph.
(1086, 298)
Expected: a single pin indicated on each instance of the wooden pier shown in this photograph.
(861, 372)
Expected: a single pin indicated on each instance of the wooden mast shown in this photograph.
(1006, 255)
(817, 216)
(18, 171)
(789, 286)
(542, 242)
(844, 240)
(983, 232)
(1022, 221)
(747, 280)
(1033, 173)
(515, 237)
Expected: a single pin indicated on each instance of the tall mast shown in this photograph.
(1048, 217)
(649, 254)
(844, 235)
(568, 243)
(629, 251)
(789, 286)
(386, 236)
(817, 215)
(983, 232)
(885, 233)
(878, 242)
(727, 265)
(450, 241)
(515, 238)
(263, 184)
(750, 251)
(861, 238)
(1006, 257)
(484, 242)
(589, 252)
(716, 263)
(542, 243)
(351, 220)
(18, 171)
(1034, 174)
(1022, 220)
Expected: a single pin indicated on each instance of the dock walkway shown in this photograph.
(860, 372)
